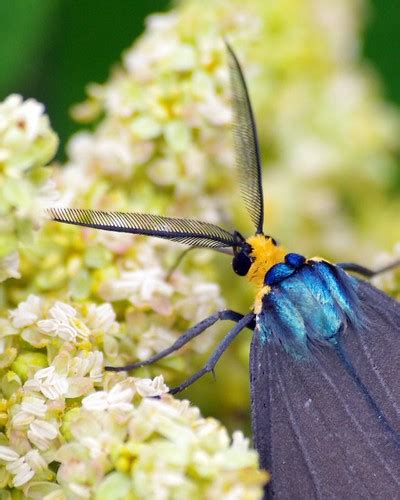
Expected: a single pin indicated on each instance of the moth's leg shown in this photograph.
(246, 321)
(364, 271)
(185, 338)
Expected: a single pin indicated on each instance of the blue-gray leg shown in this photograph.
(187, 337)
(246, 321)
(365, 271)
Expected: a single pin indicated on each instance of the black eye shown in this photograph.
(241, 263)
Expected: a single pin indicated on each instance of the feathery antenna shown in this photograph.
(188, 231)
(246, 144)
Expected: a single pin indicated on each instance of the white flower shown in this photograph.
(8, 454)
(62, 312)
(27, 312)
(138, 286)
(148, 387)
(49, 383)
(36, 461)
(79, 490)
(23, 468)
(239, 441)
(101, 317)
(54, 327)
(34, 406)
(42, 432)
(25, 134)
(118, 398)
(22, 419)
(21, 471)
(87, 363)
(9, 266)
(64, 323)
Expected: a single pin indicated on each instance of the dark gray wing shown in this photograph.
(323, 430)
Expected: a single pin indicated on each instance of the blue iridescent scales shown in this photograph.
(306, 302)
(325, 385)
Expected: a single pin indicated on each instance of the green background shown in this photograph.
(50, 49)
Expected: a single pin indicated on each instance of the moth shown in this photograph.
(324, 356)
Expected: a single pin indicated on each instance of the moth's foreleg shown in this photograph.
(365, 271)
(184, 339)
(246, 321)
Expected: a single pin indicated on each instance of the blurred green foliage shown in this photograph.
(51, 49)
(382, 44)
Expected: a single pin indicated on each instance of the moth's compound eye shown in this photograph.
(241, 263)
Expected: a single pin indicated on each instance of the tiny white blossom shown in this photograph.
(27, 312)
(34, 406)
(54, 327)
(8, 454)
(36, 461)
(41, 433)
(23, 125)
(118, 398)
(22, 419)
(62, 312)
(148, 387)
(21, 471)
(64, 323)
(138, 286)
(49, 383)
(79, 490)
(91, 363)
(9, 266)
(101, 317)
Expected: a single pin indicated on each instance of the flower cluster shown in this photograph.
(59, 407)
(158, 448)
(27, 144)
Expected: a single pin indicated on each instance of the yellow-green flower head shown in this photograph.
(153, 448)
(27, 144)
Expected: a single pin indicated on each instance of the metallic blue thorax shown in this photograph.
(310, 303)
